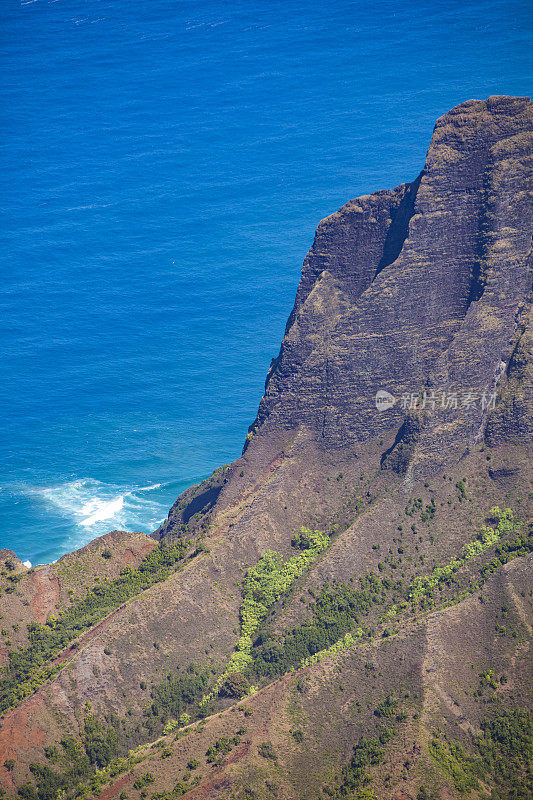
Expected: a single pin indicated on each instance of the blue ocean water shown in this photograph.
(163, 167)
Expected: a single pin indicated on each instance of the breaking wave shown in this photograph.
(99, 507)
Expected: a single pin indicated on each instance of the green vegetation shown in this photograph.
(338, 609)
(334, 613)
(171, 697)
(424, 585)
(216, 753)
(77, 758)
(181, 788)
(519, 545)
(456, 763)
(236, 685)
(413, 506)
(144, 780)
(366, 753)
(101, 742)
(423, 794)
(348, 640)
(416, 506)
(335, 623)
(27, 668)
(266, 750)
(263, 586)
(91, 761)
(502, 757)
(387, 708)
(487, 679)
(506, 750)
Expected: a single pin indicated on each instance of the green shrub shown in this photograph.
(387, 708)
(221, 748)
(144, 780)
(101, 744)
(171, 697)
(367, 752)
(235, 685)
(27, 792)
(266, 750)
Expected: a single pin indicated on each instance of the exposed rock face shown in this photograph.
(511, 421)
(419, 288)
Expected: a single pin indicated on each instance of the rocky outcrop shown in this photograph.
(422, 288)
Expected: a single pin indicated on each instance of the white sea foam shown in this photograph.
(98, 507)
(98, 510)
(27, 564)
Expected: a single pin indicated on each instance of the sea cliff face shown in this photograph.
(421, 288)
(359, 578)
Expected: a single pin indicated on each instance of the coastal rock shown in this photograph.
(422, 288)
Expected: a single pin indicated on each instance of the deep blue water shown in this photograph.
(163, 167)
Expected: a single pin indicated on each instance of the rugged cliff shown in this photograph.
(420, 288)
(397, 620)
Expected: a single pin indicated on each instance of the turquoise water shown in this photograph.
(163, 167)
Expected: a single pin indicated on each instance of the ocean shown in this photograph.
(163, 167)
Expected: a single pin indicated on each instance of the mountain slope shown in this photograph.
(402, 628)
